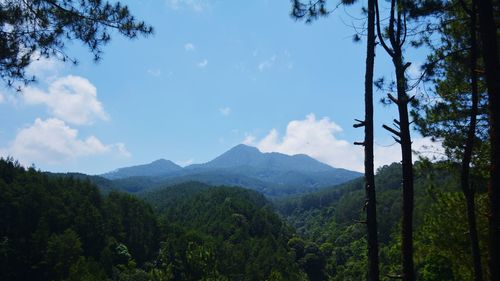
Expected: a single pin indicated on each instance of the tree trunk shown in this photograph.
(487, 29)
(467, 189)
(397, 35)
(407, 163)
(371, 208)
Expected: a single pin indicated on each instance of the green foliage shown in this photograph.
(437, 268)
(34, 29)
(222, 233)
(59, 228)
(445, 112)
(330, 218)
(451, 240)
(62, 252)
(55, 228)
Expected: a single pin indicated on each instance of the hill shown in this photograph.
(61, 228)
(234, 230)
(333, 217)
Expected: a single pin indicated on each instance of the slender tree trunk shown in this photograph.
(406, 153)
(487, 29)
(397, 36)
(407, 163)
(467, 188)
(371, 204)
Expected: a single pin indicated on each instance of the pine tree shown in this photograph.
(40, 28)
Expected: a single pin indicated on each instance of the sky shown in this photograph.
(213, 75)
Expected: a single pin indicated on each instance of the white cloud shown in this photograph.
(203, 63)
(1, 97)
(51, 141)
(195, 5)
(267, 63)
(314, 137)
(319, 139)
(189, 47)
(225, 111)
(71, 98)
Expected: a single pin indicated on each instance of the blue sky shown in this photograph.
(213, 75)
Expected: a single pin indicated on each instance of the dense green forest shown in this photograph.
(334, 219)
(62, 228)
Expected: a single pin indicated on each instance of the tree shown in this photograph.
(312, 11)
(489, 37)
(397, 33)
(62, 252)
(458, 117)
(31, 29)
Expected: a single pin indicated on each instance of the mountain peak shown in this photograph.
(272, 173)
(158, 167)
(161, 161)
(244, 147)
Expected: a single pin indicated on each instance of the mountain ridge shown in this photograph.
(155, 168)
(271, 173)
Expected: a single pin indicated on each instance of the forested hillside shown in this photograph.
(55, 228)
(233, 230)
(61, 228)
(334, 219)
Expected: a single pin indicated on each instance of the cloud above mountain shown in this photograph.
(314, 137)
(319, 138)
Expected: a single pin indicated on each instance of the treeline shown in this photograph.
(334, 219)
(61, 228)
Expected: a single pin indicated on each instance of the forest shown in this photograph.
(420, 219)
(64, 228)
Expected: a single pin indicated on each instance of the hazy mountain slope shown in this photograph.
(247, 156)
(157, 168)
(273, 174)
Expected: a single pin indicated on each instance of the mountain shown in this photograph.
(156, 168)
(273, 174)
(248, 156)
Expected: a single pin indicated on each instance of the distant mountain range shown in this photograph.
(273, 174)
(156, 168)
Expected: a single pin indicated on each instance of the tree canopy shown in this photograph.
(34, 29)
